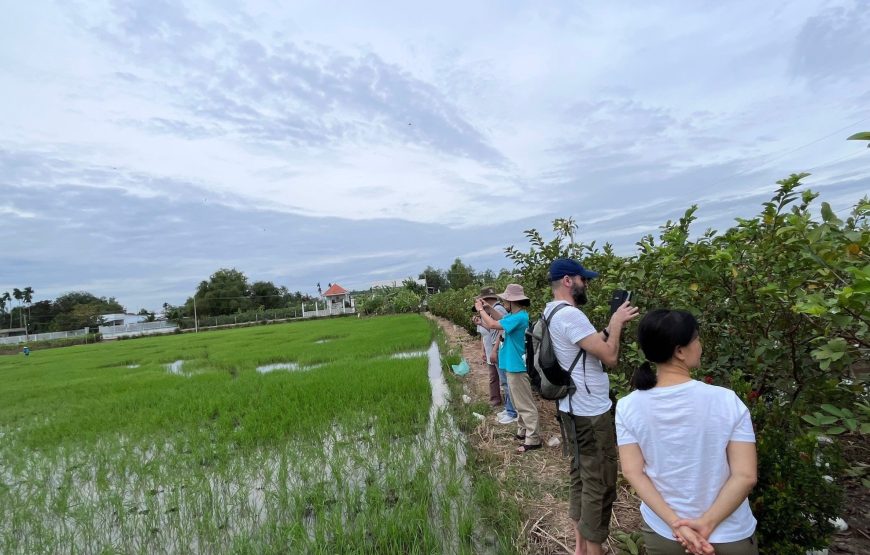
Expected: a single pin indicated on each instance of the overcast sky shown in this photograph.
(144, 145)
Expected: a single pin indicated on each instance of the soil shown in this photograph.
(544, 497)
(856, 505)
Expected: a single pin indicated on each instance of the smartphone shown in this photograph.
(619, 297)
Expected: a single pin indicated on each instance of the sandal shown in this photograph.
(526, 448)
(519, 437)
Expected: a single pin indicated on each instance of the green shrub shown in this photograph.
(793, 501)
(782, 299)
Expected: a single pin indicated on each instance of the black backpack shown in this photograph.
(555, 381)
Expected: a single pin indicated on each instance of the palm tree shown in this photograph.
(6, 298)
(18, 294)
(27, 295)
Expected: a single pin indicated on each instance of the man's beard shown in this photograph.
(579, 295)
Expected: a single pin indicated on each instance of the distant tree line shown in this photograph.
(458, 276)
(228, 291)
(70, 311)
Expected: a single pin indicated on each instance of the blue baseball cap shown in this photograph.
(562, 267)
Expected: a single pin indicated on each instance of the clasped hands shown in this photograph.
(692, 535)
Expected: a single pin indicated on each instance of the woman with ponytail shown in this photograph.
(686, 447)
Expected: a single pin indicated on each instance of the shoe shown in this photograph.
(507, 419)
(526, 448)
(500, 414)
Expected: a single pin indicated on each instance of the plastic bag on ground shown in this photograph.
(462, 368)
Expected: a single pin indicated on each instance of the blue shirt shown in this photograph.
(510, 357)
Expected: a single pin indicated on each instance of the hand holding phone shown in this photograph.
(619, 298)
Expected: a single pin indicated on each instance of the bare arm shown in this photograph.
(743, 461)
(632, 462)
(608, 351)
(484, 311)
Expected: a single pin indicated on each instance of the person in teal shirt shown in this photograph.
(510, 359)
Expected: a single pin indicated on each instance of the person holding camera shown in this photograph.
(490, 339)
(687, 448)
(585, 415)
(510, 359)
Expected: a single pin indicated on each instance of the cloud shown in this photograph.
(834, 45)
(287, 94)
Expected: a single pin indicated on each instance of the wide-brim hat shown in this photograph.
(513, 292)
(487, 293)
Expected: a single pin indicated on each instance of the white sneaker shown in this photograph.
(507, 419)
(500, 414)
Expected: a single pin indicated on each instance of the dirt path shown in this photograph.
(547, 528)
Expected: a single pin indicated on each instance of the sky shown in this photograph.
(146, 144)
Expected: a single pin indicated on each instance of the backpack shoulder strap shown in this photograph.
(553, 312)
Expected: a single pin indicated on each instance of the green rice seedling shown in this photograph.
(110, 448)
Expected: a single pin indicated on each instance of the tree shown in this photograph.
(149, 316)
(18, 294)
(266, 294)
(460, 275)
(435, 279)
(226, 292)
(6, 298)
(27, 295)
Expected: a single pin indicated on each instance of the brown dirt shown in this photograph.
(856, 506)
(543, 495)
(547, 528)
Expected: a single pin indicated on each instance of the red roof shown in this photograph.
(335, 291)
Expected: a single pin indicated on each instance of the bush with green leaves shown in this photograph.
(782, 299)
(384, 300)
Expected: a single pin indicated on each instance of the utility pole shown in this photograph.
(195, 321)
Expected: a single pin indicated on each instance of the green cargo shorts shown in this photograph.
(592, 443)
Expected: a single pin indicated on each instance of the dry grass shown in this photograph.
(543, 489)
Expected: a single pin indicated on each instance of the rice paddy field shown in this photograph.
(316, 437)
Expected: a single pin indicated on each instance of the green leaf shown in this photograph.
(826, 420)
(862, 136)
(836, 430)
(832, 409)
(827, 212)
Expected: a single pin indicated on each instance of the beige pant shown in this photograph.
(524, 403)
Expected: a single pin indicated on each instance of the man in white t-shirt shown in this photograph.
(585, 415)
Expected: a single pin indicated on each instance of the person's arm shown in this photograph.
(632, 462)
(485, 318)
(607, 351)
(743, 461)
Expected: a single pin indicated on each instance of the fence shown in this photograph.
(143, 328)
(327, 310)
(42, 336)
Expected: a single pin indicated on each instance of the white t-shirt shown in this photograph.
(568, 327)
(682, 431)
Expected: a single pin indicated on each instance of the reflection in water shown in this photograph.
(175, 367)
(289, 366)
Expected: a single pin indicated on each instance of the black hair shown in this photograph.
(659, 333)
